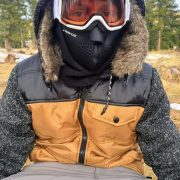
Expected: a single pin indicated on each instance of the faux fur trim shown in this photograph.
(133, 47)
(129, 57)
(49, 48)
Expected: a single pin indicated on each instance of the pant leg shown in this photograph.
(54, 171)
(57, 171)
(118, 173)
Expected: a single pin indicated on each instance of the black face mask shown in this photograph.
(87, 55)
(91, 48)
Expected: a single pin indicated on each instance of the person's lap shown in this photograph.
(57, 171)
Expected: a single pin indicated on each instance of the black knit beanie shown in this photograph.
(41, 6)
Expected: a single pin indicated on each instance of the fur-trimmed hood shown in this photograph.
(130, 55)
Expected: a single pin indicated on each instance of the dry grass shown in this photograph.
(173, 91)
(5, 69)
(167, 52)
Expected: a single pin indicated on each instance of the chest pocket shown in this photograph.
(55, 120)
(117, 124)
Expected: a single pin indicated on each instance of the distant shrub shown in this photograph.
(170, 73)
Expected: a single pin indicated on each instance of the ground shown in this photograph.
(166, 62)
(5, 70)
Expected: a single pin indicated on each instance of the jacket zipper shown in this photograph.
(84, 131)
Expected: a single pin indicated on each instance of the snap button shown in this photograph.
(116, 119)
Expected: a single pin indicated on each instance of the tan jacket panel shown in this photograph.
(111, 136)
(58, 131)
(110, 143)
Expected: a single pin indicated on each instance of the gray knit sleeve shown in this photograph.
(16, 134)
(158, 137)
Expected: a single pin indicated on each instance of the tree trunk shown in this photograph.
(158, 45)
(22, 43)
(8, 46)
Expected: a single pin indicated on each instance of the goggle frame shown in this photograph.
(57, 9)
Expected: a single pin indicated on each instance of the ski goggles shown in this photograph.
(80, 14)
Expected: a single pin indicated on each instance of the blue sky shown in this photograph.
(178, 2)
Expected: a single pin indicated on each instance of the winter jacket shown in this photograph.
(121, 120)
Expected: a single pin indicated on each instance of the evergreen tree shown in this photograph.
(163, 24)
(7, 22)
(31, 9)
(13, 23)
(16, 23)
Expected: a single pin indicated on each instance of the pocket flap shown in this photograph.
(116, 115)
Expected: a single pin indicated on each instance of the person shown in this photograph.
(87, 106)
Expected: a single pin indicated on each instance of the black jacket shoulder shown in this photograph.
(29, 65)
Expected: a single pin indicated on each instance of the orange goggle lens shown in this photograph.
(79, 12)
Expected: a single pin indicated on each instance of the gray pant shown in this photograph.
(57, 171)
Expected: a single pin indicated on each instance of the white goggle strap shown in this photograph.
(57, 9)
(127, 10)
(57, 15)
